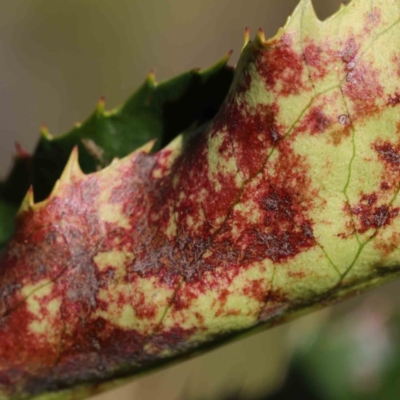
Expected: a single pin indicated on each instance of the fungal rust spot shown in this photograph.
(318, 58)
(389, 154)
(363, 89)
(283, 229)
(394, 99)
(281, 68)
(314, 122)
(252, 131)
(371, 216)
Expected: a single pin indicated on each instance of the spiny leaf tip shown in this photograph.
(246, 37)
(21, 152)
(44, 132)
(72, 169)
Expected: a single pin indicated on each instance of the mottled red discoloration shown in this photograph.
(283, 230)
(388, 245)
(282, 67)
(394, 99)
(16, 338)
(318, 59)
(298, 274)
(363, 89)
(314, 122)
(389, 154)
(276, 303)
(252, 132)
(175, 338)
(371, 215)
(21, 152)
(396, 61)
(374, 210)
(349, 53)
(385, 186)
(343, 131)
(244, 83)
(256, 290)
(217, 280)
(191, 225)
(373, 19)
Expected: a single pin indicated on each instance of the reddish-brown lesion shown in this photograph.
(59, 241)
(372, 20)
(319, 59)
(371, 215)
(315, 121)
(363, 89)
(253, 133)
(282, 68)
(284, 229)
(374, 210)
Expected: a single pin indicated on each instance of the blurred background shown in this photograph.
(59, 56)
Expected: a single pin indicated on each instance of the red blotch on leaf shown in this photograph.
(281, 68)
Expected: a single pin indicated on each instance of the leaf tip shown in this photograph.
(309, 10)
(21, 152)
(148, 147)
(27, 202)
(101, 105)
(44, 132)
(72, 169)
(260, 36)
(246, 37)
(151, 77)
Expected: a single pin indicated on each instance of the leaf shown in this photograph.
(154, 112)
(7, 222)
(286, 202)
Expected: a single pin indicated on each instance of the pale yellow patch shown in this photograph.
(43, 325)
(143, 292)
(113, 213)
(45, 312)
(115, 259)
(210, 314)
(218, 165)
(171, 230)
(34, 294)
(157, 173)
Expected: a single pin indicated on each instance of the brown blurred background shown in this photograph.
(59, 56)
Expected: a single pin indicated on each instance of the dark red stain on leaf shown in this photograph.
(349, 53)
(373, 19)
(253, 133)
(363, 89)
(275, 303)
(244, 83)
(371, 216)
(175, 338)
(314, 122)
(281, 68)
(370, 213)
(343, 131)
(389, 154)
(394, 99)
(284, 198)
(318, 59)
(256, 289)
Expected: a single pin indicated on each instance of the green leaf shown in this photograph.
(285, 202)
(7, 213)
(154, 112)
